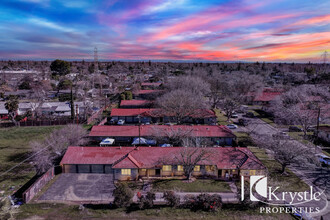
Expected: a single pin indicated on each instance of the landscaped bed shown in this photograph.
(195, 186)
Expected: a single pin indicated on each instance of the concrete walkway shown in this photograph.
(226, 197)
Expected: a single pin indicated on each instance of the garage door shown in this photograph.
(83, 168)
(97, 168)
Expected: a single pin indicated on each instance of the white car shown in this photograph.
(232, 126)
(121, 122)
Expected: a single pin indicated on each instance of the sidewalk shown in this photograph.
(226, 197)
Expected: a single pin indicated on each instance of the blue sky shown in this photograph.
(280, 30)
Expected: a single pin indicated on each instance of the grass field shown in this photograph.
(288, 181)
(14, 148)
(195, 186)
(222, 119)
(72, 212)
(243, 138)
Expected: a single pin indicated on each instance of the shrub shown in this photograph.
(146, 201)
(171, 199)
(123, 195)
(203, 202)
(207, 202)
(189, 201)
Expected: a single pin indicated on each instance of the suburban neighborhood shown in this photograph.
(164, 110)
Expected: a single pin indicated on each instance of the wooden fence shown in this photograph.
(38, 185)
(41, 123)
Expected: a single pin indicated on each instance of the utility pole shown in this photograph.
(72, 106)
(96, 65)
(324, 57)
(139, 117)
(77, 114)
(317, 125)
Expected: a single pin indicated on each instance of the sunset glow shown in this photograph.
(216, 30)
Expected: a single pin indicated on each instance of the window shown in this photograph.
(209, 168)
(167, 168)
(126, 172)
(180, 168)
(197, 168)
(143, 170)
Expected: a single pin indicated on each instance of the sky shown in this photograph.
(215, 30)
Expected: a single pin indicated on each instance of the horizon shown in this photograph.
(165, 31)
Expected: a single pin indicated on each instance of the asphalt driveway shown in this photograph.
(81, 188)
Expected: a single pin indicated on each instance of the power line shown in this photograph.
(26, 160)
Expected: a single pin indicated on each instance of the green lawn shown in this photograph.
(195, 186)
(299, 136)
(14, 148)
(287, 182)
(222, 119)
(71, 212)
(243, 138)
(269, 121)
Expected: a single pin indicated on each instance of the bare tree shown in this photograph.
(181, 104)
(50, 151)
(189, 157)
(234, 90)
(171, 135)
(192, 84)
(38, 96)
(286, 152)
(300, 106)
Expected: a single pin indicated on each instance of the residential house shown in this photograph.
(324, 133)
(133, 163)
(150, 85)
(135, 103)
(266, 96)
(201, 116)
(147, 94)
(3, 111)
(124, 134)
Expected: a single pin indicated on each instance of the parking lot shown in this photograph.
(76, 187)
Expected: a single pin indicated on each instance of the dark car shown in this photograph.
(242, 122)
(294, 129)
(249, 115)
(112, 121)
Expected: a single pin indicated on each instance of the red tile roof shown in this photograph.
(153, 112)
(143, 92)
(267, 95)
(151, 157)
(129, 111)
(134, 102)
(154, 84)
(160, 130)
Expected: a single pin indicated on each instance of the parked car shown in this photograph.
(112, 121)
(324, 159)
(234, 115)
(121, 122)
(249, 115)
(294, 129)
(232, 126)
(242, 122)
(281, 135)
